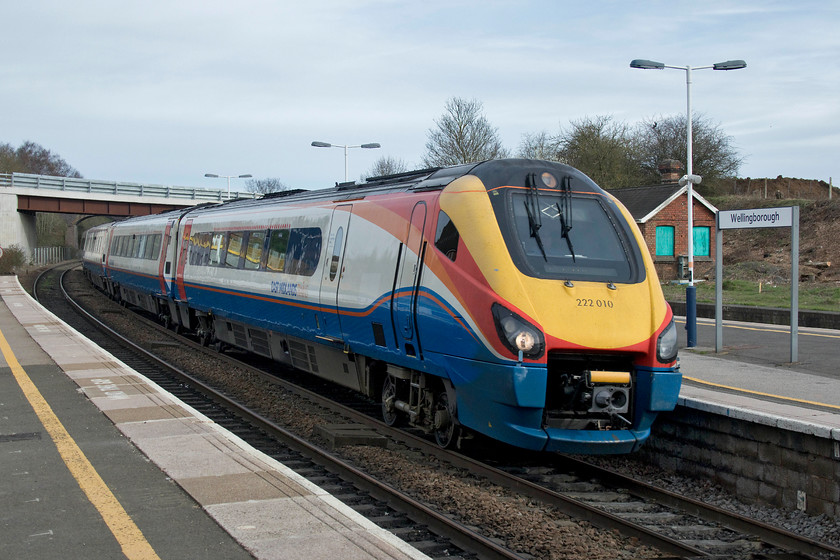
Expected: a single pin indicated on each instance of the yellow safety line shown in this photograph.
(134, 544)
(694, 379)
(781, 329)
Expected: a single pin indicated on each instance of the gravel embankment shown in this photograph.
(520, 524)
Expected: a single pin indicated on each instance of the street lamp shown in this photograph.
(689, 179)
(229, 177)
(328, 145)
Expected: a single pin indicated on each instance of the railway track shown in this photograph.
(428, 531)
(677, 526)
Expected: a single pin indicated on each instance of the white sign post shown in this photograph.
(759, 218)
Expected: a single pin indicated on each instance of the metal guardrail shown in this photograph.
(115, 188)
(51, 255)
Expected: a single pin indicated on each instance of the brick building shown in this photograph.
(660, 212)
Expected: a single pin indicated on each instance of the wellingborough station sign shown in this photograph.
(787, 216)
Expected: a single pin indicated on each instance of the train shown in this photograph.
(512, 298)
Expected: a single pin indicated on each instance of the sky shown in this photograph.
(162, 92)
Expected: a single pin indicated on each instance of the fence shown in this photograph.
(50, 255)
(785, 187)
(114, 188)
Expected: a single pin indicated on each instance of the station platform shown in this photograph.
(752, 380)
(98, 462)
(795, 401)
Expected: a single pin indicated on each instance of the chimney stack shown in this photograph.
(671, 170)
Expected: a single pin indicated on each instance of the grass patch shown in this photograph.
(816, 297)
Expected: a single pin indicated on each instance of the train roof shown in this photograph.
(495, 172)
(415, 181)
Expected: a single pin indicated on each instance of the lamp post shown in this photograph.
(689, 179)
(229, 177)
(328, 145)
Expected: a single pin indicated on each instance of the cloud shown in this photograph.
(161, 92)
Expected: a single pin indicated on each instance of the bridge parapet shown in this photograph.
(115, 188)
(22, 195)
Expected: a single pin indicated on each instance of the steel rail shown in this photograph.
(459, 534)
(574, 508)
(571, 507)
(776, 536)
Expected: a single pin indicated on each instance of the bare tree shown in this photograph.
(539, 146)
(386, 165)
(8, 161)
(265, 186)
(462, 135)
(603, 149)
(714, 157)
(34, 158)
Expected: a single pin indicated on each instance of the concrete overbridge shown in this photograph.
(22, 195)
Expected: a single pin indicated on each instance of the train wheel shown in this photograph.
(446, 427)
(389, 395)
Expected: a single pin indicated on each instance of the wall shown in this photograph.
(16, 228)
(766, 315)
(675, 215)
(790, 468)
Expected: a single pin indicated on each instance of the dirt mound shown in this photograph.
(764, 254)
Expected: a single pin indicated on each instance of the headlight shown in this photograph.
(517, 334)
(666, 345)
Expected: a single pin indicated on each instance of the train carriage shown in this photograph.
(94, 254)
(513, 298)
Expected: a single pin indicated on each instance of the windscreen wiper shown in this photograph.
(532, 207)
(565, 214)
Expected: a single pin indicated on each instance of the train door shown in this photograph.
(106, 261)
(336, 242)
(106, 251)
(182, 249)
(404, 306)
(165, 264)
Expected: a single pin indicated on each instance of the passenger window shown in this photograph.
(150, 246)
(197, 249)
(277, 246)
(140, 246)
(234, 249)
(253, 256)
(217, 249)
(336, 254)
(304, 251)
(447, 236)
(206, 241)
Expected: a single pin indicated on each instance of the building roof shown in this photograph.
(646, 202)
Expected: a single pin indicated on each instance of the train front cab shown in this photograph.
(519, 403)
(597, 375)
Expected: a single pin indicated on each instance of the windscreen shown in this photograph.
(570, 238)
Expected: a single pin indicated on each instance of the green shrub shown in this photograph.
(13, 257)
